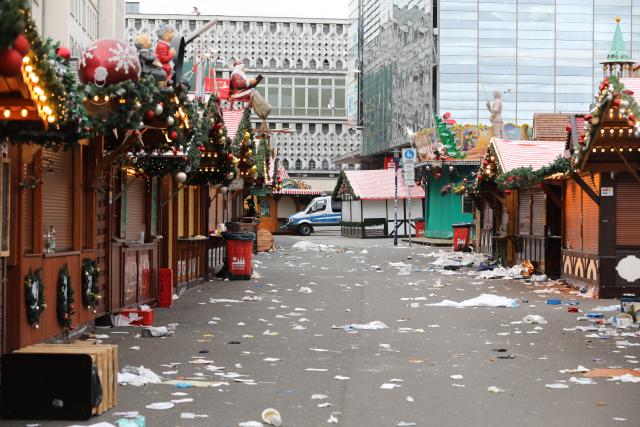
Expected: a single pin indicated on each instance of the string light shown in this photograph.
(6, 113)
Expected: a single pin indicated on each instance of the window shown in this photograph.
(320, 205)
(325, 64)
(312, 164)
(285, 164)
(312, 64)
(285, 64)
(299, 64)
(325, 128)
(298, 164)
(259, 63)
(312, 128)
(57, 197)
(467, 204)
(299, 127)
(338, 65)
(325, 165)
(338, 129)
(272, 63)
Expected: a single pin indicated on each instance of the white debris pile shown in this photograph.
(484, 300)
(307, 245)
(137, 376)
(403, 268)
(451, 259)
(371, 326)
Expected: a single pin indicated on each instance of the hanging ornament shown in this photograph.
(230, 176)
(10, 62)
(108, 61)
(170, 121)
(217, 126)
(149, 115)
(224, 190)
(158, 109)
(201, 148)
(181, 177)
(173, 135)
(63, 53)
(21, 44)
(229, 156)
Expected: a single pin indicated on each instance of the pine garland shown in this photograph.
(90, 286)
(65, 309)
(34, 297)
(527, 177)
(56, 80)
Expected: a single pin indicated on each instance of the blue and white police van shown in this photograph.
(321, 212)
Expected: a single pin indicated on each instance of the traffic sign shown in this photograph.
(409, 166)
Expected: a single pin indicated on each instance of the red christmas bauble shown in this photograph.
(568, 128)
(63, 53)
(21, 44)
(173, 135)
(10, 62)
(217, 125)
(230, 156)
(201, 148)
(149, 115)
(485, 163)
(107, 62)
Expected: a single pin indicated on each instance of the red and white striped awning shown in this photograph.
(632, 84)
(299, 192)
(232, 119)
(520, 154)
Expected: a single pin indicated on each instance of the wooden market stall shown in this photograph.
(601, 237)
(48, 209)
(519, 211)
(368, 207)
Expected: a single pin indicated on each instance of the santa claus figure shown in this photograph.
(164, 52)
(240, 86)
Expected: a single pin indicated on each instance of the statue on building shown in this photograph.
(495, 108)
(241, 86)
(148, 61)
(164, 52)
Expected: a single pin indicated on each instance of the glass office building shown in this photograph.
(543, 55)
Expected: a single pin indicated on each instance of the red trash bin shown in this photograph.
(461, 235)
(239, 252)
(419, 227)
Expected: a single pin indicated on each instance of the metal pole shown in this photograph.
(396, 155)
(410, 232)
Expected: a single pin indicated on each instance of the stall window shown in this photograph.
(134, 201)
(57, 196)
(467, 204)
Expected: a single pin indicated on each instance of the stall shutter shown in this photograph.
(572, 216)
(135, 209)
(627, 194)
(524, 212)
(590, 215)
(57, 196)
(538, 211)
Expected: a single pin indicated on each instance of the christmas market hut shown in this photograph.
(601, 245)
(368, 207)
(285, 197)
(519, 207)
(448, 154)
(48, 274)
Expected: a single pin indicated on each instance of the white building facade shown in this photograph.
(77, 23)
(303, 62)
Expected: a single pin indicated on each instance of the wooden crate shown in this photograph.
(105, 358)
(265, 240)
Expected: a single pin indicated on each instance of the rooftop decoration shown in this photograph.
(618, 62)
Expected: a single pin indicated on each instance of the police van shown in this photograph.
(321, 212)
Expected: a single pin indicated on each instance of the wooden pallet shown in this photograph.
(104, 357)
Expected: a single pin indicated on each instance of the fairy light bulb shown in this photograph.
(6, 113)
(24, 112)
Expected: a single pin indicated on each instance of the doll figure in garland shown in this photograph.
(164, 52)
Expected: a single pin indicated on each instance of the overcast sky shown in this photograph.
(284, 8)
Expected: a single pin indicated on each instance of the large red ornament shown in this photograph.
(63, 53)
(107, 62)
(173, 135)
(10, 62)
(21, 44)
(230, 156)
(149, 115)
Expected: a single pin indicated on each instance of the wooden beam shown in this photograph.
(585, 187)
(121, 149)
(633, 172)
(552, 195)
